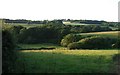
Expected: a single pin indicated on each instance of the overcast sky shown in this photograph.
(60, 9)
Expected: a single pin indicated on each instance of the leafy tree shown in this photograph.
(106, 28)
(86, 29)
(74, 45)
(14, 30)
(70, 38)
(39, 35)
(117, 44)
(96, 42)
(96, 28)
(8, 52)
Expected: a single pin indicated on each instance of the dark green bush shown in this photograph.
(42, 34)
(70, 38)
(94, 42)
(38, 35)
(96, 28)
(116, 44)
(74, 45)
(86, 29)
(15, 31)
(8, 52)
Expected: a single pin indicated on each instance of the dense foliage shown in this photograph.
(44, 34)
(23, 21)
(8, 52)
(74, 45)
(94, 42)
(116, 44)
(70, 38)
(89, 28)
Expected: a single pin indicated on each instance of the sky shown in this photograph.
(106, 10)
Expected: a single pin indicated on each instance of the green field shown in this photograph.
(113, 34)
(77, 24)
(65, 61)
(24, 25)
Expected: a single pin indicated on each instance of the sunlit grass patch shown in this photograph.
(112, 34)
(80, 51)
(66, 61)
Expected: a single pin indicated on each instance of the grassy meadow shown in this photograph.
(62, 60)
(65, 61)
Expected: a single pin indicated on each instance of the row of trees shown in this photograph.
(89, 28)
(31, 22)
(41, 34)
(9, 55)
(51, 32)
(45, 21)
(73, 41)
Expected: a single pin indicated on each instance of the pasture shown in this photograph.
(113, 34)
(65, 61)
(24, 25)
(77, 24)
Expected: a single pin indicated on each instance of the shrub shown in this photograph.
(8, 52)
(117, 44)
(37, 35)
(70, 38)
(96, 42)
(96, 28)
(86, 29)
(74, 45)
(42, 34)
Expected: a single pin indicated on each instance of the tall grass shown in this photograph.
(65, 61)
